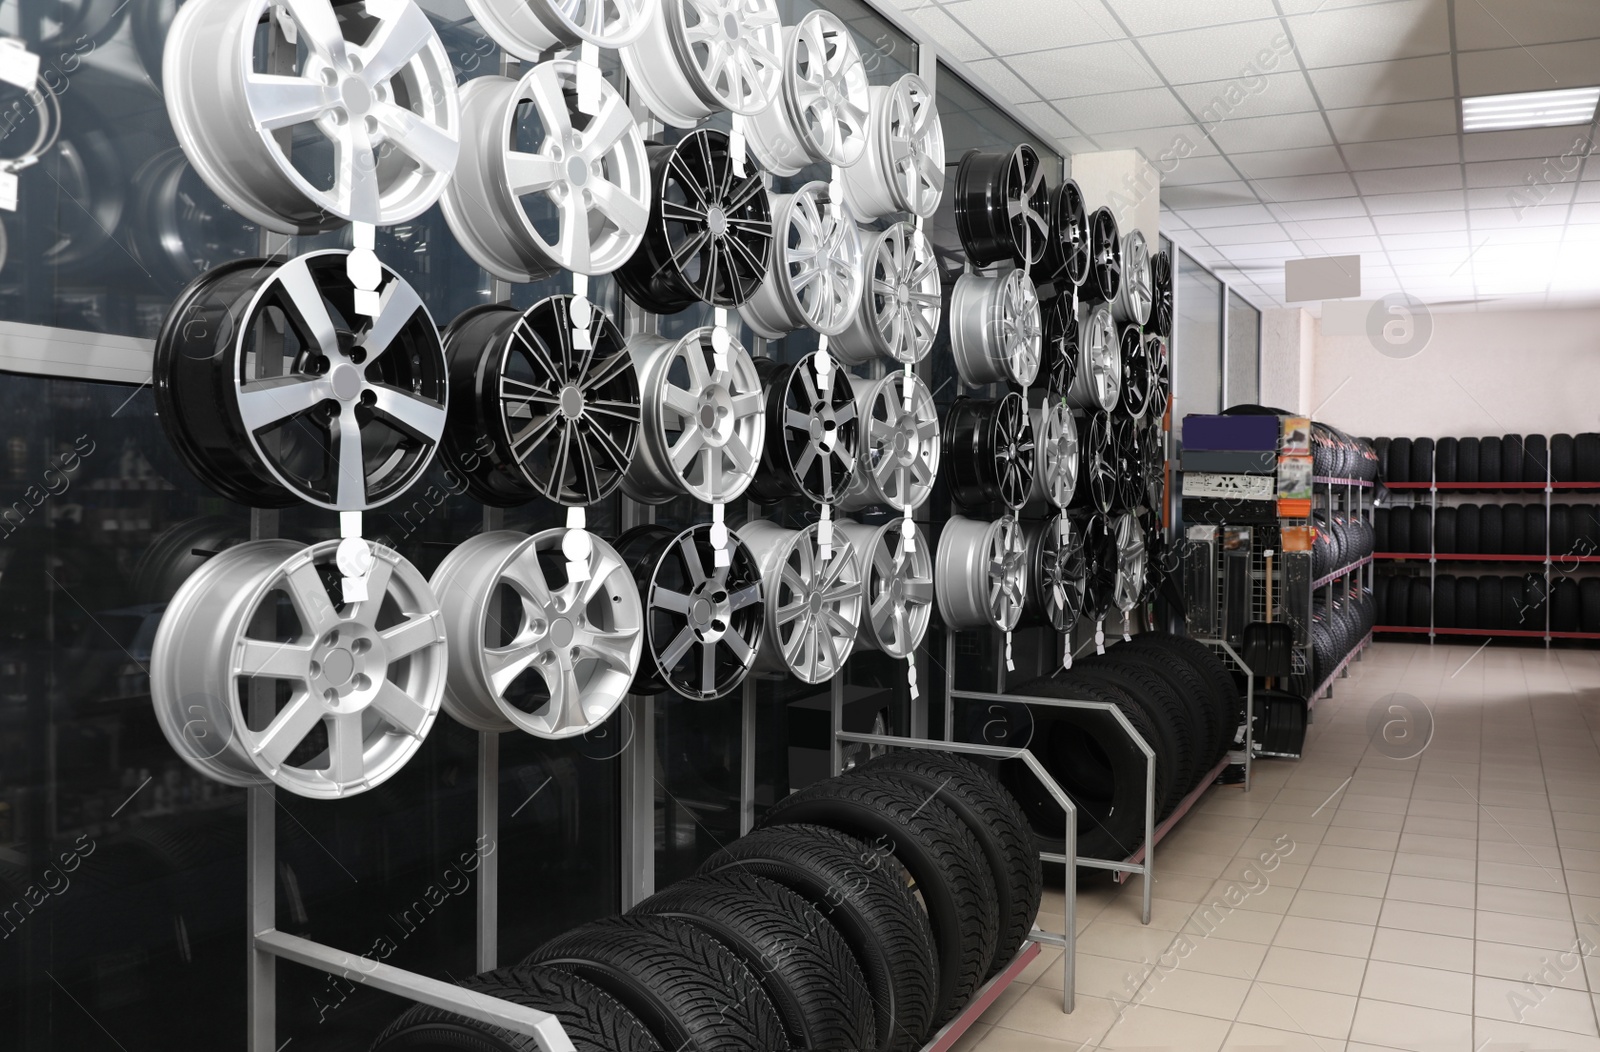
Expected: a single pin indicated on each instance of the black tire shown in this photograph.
(1467, 602)
(1444, 531)
(803, 964)
(593, 1019)
(1204, 722)
(1399, 465)
(1565, 606)
(1422, 530)
(1585, 529)
(1422, 460)
(1511, 458)
(1400, 530)
(1589, 604)
(1380, 529)
(1166, 711)
(1444, 459)
(1489, 602)
(1419, 604)
(873, 909)
(1468, 457)
(1514, 527)
(1562, 537)
(996, 819)
(1398, 609)
(1534, 532)
(1586, 457)
(1097, 765)
(1469, 529)
(1492, 530)
(1563, 459)
(1380, 599)
(1444, 601)
(1535, 459)
(1489, 462)
(1519, 611)
(1223, 690)
(692, 992)
(936, 849)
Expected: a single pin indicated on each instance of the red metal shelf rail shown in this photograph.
(1512, 633)
(952, 1031)
(1322, 480)
(1327, 684)
(1177, 814)
(1466, 558)
(1347, 571)
(1556, 486)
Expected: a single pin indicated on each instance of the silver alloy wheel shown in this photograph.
(703, 429)
(902, 169)
(897, 452)
(1160, 377)
(1098, 383)
(1131, 561)
(700, 57)
(355, 686)
(1057, 574)
(898, 586)
(387, 105)
(1136, 293)
(981, 572)
(901, 303)
(822, 111)
(581, 640)
(1056, 431)
(530, 28)
(996, 329)
(579, 200)
(814, 276)
(813, 606)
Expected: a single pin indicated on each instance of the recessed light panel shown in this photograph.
(1529, 109)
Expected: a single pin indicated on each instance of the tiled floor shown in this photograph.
(1449, 902)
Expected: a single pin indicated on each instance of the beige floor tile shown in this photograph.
(1177, 887)
(1495, 1035)
(1424, 987)
(1451, 827)
(1327, 905)
(1524, 902)
(1355, 858)
(1038, 1011)
(1124, 942)
(1185, 989)
(1345, 881)
(1341, 937)
(1236, 925)
(1245, 1037)
(1529, 964)
(1313, 1012)
(1408, 1027)
(1519, 854)
(1311, 970)
(1003, 1039)
(1450, 847)
(1411, 864)
(1228, 957)
(1345, 818)
(1422, 949)
(1193, 863)
(1376, 839)
(1050, 957)
(1150, 1028)
(1425, 917)
(1257, 894)
(972, 1039)
(1541, 1006)
(1526, 931)
(1432, 889)
(1128, 908)
(1532, 876)
(1004, 1003)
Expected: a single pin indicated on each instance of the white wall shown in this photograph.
(1490, 373)
(1125, 182)
(1288, 351)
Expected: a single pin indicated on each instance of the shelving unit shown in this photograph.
(1352, 498)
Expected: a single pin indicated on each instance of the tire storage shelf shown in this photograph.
(1353, 501)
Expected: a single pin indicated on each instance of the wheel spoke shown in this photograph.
(401, 709)
(504, 665)
(318, 28)
(396, 42)
(531, 172)
(350, 461)
(347, 755)
(408, 637)
(429, 145)
(678, 648)
(356, 186)
(310, 600)
(266, 402)
(282, 102)
(629, 215)
(424, 419)
(397, 306)
(287, 730)
(259, 657)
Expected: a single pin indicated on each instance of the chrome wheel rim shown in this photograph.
(898, 450)
(902, 169)
(1097, 464)
(551, 661)
(898, 587)
(365, 680)
(579, 200)
(704, 430)
(699, 57)
(561, 423)
(814, 276)
(1056, 431)
(387, 106)
(901, 304)
(1098, 382)
(813, 607)
(1134, 293)
(992, 454)
(1056, 574)
(821, 114)
(996, 329)
(703, 622)
(812, 432)
(1002, 206)
(981, 573)
(1105, 258)
(1130, 562)
(529, 28)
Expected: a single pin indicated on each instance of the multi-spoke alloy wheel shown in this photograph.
(990, 451)
(897, 585)
(812, 431)
(1056, 430)
(1101, 563)
(1154, 468)
(1160, 295)
(1003, 206)
(352, 687)
(981, 573)
(532, 649)
(703, 622)
(1105, 258)
(901, 303)
(1066, 257)
(710, 231)
(535, 416)
(1097, 383)
(902, 169)
(704, 429)
(821, 112)
(1097, 464)
(1127, 438)
(813, 605)
(898, 448)
(275, 391)
(1160, 377)
(1055, 573)
(1138, 382)
(1135, 294)
(542, 186)
(814, 275)
(699, 57)
(530, 28)
(1059, 362)
(361, 128)
(996, 329)
(1131, 570)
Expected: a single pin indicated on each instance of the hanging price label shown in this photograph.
(8, 189)
(911, 676)
(719, 535)
(1100, 637)
(353, 558)
(364, 270)
(589, 79)
(577, 546)
(908, 529)
(825, 534)
(721, 342)
(1011, 666)
(18, 65)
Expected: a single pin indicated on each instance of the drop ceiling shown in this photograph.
(1350, 145)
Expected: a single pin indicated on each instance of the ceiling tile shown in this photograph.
(1587, 192)
(1564, 147)
(1367, 83)
(1091, 69)
(1376, 33)
(1142, 16)
(1335, 246)
(1403, 153)
(1447, 257)
(1408, 180)
(1125, 111)
(1010, 27)
(1163, 147)
(1205, 218)
(1215, 101)
(1542, 67)
(1208, 195)
(1276, 164)
(1524, 175)
(1192, 170)
(1241, 235)
(1488, 220)
(1509, 23)
(1437, 239)
(1219, 52)
(1337, 208)
(1420, 223)
(938, 21)
(1046, 116)
(1253, 134)
(1528, 234)
(1400, 121)
(1265, 250)
(1437, 201)
(1305, 187)
(1356, 226)
(998, 76)
(1550, 199)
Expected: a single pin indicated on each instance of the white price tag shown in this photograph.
(908, 528)
(363, 236)
(350, 524)
(1127, 629)
(736, 145)
(1100, 637)
(8, 190)
(368, 304)
(720, 343)
(363, 269)
(825, 534)
(911, 676)
(18, 65)
(1011, 666)
(577, 546)
(719, 535)
(589, 79)
(908, 389)
(1066, 651)
(354, 589)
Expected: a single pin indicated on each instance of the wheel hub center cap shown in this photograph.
(814, 604)
(700, 613)
(903, 295)
(577, 171)
(346, 381)
(730, 26)
(562, 632)
(571, 403)
(717, 221)
(338, 667)
(716, 415)
(356, 95)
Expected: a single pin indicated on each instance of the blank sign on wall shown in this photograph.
(1324, 278)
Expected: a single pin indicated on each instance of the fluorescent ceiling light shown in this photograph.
(1529, 109)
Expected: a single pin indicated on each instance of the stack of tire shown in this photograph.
(1337, 627)
(1339, 541)
(1492, 459)
(1489, 529)
(806, 934)
(1178, 695)
(1491, 603)
(1335, 454)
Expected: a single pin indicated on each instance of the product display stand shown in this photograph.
(1353, 498)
